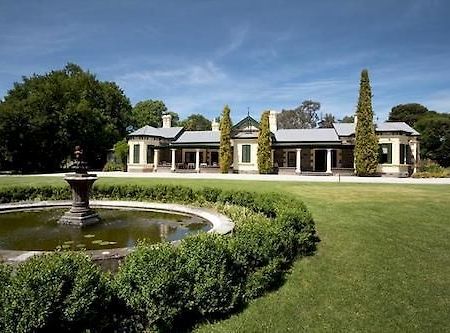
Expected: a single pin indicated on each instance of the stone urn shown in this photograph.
(80, 214)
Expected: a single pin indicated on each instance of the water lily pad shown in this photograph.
(112, 243)
(80, 245)
(65, 246)
(97, 241)
(69, 242)
(104, 243)
(89, 236)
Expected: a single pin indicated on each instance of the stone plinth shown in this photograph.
(80, 214)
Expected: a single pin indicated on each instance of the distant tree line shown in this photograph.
(43, 117)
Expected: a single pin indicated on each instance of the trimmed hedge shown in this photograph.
(159, 287)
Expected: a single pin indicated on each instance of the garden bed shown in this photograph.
(158, 287)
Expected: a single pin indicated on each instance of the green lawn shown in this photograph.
(383, 263)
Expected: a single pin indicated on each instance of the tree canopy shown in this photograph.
(327, 121)
(347, 119)
(366, 141)
(303, 116)
(196, 122)
(45, 116)
(408, 113)
(435, 137)
(148, 112)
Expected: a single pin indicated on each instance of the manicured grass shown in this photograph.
(383, 263)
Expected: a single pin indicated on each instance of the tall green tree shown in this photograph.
(408, 113)
(264, 152)
(225, 141)
(121, 153)
(148, 112)
(196, 122)
(434, 129)
(303, 116)
(366, 145)
(347, 119)
(327, 121)
(43, 117)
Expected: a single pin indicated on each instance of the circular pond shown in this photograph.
(38, 230)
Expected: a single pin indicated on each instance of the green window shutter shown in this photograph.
(150, 154)
(402, 153)
(246, 153)
(389, 156)
(136, 149)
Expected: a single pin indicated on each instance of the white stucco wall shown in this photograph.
(238, 165)
(395, 167)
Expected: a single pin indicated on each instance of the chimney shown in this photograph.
(215, 125)
(167, 121)
(273, 121)
(355, 119)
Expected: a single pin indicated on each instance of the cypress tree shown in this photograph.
(225, 141)
(264, 150)
(366, 145)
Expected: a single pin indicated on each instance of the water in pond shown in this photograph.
(39, 230)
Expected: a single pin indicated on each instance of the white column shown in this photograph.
(414, 146)
(155, 159)
(143, 153)
(328, 160)
(298, 166)
(197, 160)
(173, 160)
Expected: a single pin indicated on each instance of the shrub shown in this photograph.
(431, 169)
(113, 166)
(213, 277)
(56, 292)
(151, 282)
(159, 286)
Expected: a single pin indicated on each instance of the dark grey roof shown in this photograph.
(306, 135)
(344, 129)
(198, 137)
(396, 127)
(168, 133)
(347, 129)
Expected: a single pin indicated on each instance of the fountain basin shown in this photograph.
(218, 223)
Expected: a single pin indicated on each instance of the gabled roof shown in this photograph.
(211, 137)
(245, 122)
(167, 133)
(348, 129)
(306, 135)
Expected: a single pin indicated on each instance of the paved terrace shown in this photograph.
(286, 178)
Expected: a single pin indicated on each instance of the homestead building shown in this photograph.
(316, 151)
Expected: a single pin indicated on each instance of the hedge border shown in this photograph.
(162, 287)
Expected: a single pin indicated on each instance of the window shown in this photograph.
(403, 148)
(150, 155)
(246, 153)
(136, 149)
(292, 159)
(385, 154)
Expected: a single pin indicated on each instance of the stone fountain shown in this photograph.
(80, 214)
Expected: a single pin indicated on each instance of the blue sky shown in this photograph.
(197, 56)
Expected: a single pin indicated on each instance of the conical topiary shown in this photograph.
(264, 150)
(225, 141)
(366, 145)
